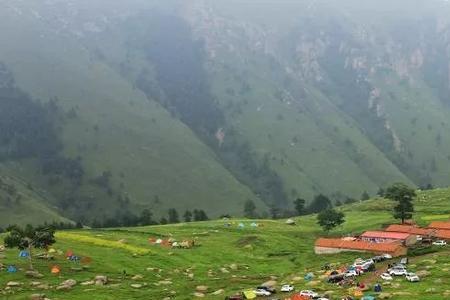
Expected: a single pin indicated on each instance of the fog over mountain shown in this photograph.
(108, 108)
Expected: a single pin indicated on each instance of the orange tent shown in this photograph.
(298, 297)
(56, 270)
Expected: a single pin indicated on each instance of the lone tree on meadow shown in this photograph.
(299, 204)
(29, 238)
(173, 216)
(330, 219)
(403, 195)
(250, 209)
(187, 216)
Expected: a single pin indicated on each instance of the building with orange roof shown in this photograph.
(386, 237)
(418, 231)
(442, 234)
(442, 225)
(333, 246)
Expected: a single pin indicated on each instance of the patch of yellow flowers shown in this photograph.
(100, 242)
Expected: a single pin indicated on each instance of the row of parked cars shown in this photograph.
(287, 288)
(359, 267)
(400, 269)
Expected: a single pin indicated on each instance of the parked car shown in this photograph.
(309, 293)
(440, 243)
(262, 292)
(270, 289)
(378, 258)
(351, 273)
(370, 267)
(397, 272)
(387, 256)
(336, 278)
(287, 288)
(412, 277)
(235, 297)
(404, 261)
(386, 276)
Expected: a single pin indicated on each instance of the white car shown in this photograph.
(262, 292)
(440, 243)
(351, 273)
(287, 288)
(397, 272)
(412, 277)
(386, 276)
(387, 256)
(309, 293)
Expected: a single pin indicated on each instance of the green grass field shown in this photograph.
(227, 258)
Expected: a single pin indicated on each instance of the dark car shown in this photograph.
(336, 278)
(368, 268)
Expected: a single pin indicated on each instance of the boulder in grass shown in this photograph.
(136, 285)
(33, 274)
(269, 284)
(201, 288)
(137, 277)
(384, 296)
(218, 292)
(101, 280)
(90, 282)
(290, 222)
(199, 295)
(13, 284)
(37, 297)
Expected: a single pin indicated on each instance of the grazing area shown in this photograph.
(225, 257)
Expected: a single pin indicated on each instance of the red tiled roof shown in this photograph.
(443, 234)
(440, 225)
(358, 245)
(409, 229)
(386, 235)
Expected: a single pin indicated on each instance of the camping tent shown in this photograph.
(24, 253)
(241, 225)
(290, 222)
(11, 269)
(298, 297)
(249, 295)
(309, 276)
(368, 297)
(377, 288)
(254, 224)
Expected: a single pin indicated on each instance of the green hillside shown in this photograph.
(205, 105)
(226, 258)
(22, 204)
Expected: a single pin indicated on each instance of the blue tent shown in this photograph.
(11, 269)
(309, 276)
(377, 288)
(24, 253)
(368, 298)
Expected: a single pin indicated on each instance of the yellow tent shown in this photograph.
(249, 295)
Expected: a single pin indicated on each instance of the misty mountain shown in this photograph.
(109, 108)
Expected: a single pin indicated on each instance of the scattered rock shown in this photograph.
(37, 297)
(33, 274)
(430, 290)
(270, 283)
(101, 280)
(224, 270)
(35, 283)
(165, 282)
(297, 278)
(136, 285)
(201, 288)
(67, 285)
(13, 284)
(234, 267)
(384, 296)
(43, 286)
(137, 277)
(423, 273)
(218, 292)
(90, 282)
(199, 295)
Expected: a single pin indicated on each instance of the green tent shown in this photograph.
(249, 295)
